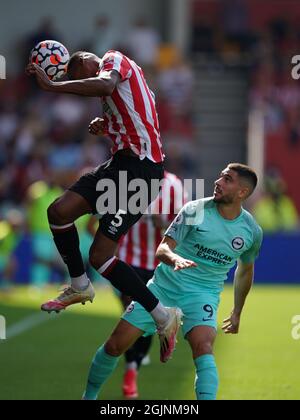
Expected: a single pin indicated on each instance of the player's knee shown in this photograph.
(113, 347)
(94, 259)
(202, 348)
(56, 214)
(98, 257)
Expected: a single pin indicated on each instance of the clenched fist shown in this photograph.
(96, 126)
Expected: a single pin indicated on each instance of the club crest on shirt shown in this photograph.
(130, 308)
(238, 243)
(179, 219)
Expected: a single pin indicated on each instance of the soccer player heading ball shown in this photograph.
(131, 122)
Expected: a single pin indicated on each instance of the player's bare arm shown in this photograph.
(243, 280)
(166, 255)
(93, 87)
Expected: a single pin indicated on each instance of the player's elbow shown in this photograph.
(160, 252)
(246, 269)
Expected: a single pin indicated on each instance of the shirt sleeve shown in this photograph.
(114, 60)
(180, 226)
(250, 256)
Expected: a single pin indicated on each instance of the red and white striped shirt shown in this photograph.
(139, 245)
(130, 117)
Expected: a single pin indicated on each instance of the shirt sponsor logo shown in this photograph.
(213, 255)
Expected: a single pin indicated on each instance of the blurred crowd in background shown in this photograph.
(45, 145)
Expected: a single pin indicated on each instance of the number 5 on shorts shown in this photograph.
(118, 218)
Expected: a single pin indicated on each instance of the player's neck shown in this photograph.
(229, 211)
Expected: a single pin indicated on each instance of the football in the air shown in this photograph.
(51, 56)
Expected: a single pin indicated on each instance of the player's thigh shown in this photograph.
(131, 195)
(199, 309)
(201, 339)
(68, 208)
(122, 338)
(87, 185)
(123, 213)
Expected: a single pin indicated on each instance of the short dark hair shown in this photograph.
(74, 61)
(245, 172)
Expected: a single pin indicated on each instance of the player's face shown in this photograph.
(227, 187)
(88, 67)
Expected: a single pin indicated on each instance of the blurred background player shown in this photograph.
(199, 248)
(275, 211)
(131, 122)
(39, 196)
(14, 241)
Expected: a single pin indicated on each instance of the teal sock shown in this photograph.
(207, 381)
(102, 366)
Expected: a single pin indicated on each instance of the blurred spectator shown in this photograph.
(235, 16)
(275, 211)
(175, 84)
(143, 43)
(45, 31)
(104, 36)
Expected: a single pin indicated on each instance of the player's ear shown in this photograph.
(244, 193)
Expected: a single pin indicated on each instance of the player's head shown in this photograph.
(235, 184)
(83, 65)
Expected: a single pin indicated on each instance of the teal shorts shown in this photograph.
(199, 309)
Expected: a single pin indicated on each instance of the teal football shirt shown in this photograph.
(214, 243)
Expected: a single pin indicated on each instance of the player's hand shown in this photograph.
(40, 75)
(231, 325)
(182, 263)
(96, 126)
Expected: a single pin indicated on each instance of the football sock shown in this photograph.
(159, 314)
(67, 242)
(138, 351)
(206, 382)
(131, 366)
(81, 282)
(126, 280)
(102, 367)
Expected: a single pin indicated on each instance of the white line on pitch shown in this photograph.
(27, 323)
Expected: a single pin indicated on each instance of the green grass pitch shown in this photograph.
(48, 356)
